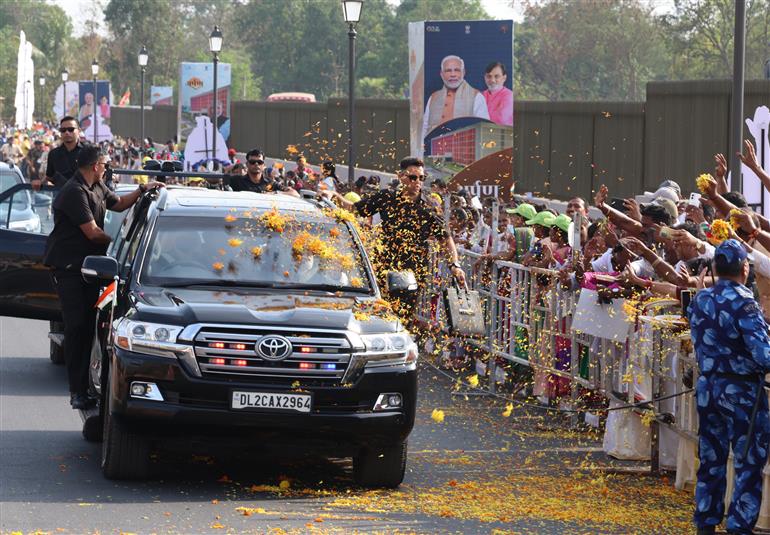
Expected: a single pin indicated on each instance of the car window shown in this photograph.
(129, 249)
(26, 210)
(244, 250)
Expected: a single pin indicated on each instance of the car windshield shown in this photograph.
(253, 251)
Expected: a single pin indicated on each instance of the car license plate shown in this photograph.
(272, 401)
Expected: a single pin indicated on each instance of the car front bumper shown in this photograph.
(200, 407)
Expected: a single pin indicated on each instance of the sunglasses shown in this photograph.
(67, 129)
(256, 162)
(415, 177)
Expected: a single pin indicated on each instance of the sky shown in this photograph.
(76, 9)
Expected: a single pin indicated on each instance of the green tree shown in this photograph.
(564, 51)
(49, 29)
(700, 36)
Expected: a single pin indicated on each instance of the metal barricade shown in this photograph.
(529, 317)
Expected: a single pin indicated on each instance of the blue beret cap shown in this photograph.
(732, 251)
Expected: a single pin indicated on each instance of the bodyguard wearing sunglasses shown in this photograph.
(256, 179)
(62, 161)
(409, 220)
(78, 213)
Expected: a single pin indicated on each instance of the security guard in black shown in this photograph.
(79, 211)
(62, 161)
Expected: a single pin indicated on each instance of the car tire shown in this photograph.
(125, 455)
(56, 351)
(380, 467)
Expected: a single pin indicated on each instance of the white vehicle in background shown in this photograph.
(22, 214)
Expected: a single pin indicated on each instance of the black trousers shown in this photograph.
(77, 298)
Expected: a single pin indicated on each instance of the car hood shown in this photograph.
(177, 306)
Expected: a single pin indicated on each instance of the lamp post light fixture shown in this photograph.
(95, 104)
(64, 77)
(215, 46)
(351, 10)
(143, 58)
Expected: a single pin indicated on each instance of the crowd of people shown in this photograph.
(710, 250)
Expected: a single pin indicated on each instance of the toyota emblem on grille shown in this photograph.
(273, 347)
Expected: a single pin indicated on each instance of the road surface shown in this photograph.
(477, 472)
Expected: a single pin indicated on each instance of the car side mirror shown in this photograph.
(401, 281)
(101, 268)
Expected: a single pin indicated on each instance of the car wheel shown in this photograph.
(125, 455)
(380, 467)
(57, 350)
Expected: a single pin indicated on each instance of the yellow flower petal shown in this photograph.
(437, 415)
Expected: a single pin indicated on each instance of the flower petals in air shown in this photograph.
(437, 415)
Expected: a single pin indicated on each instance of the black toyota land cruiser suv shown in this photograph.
(240, 315)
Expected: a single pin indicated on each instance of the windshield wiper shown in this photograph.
(321, 287)
(189, 283)
(332, 288)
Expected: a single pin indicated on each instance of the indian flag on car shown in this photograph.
(107, 297)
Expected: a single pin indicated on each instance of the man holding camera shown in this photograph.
(78, 231)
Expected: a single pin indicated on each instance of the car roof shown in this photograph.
(10, 167)
(201, 201)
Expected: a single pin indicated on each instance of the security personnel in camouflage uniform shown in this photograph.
(733, 350)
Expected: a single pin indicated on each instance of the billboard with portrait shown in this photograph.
(94, 109)
(196, 100)
(162, 95)
(460, 80)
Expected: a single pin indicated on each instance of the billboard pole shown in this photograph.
(736, 119)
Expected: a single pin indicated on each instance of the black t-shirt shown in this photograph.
(406, 228)
(62, 164)
(244, 183)
(76, 204)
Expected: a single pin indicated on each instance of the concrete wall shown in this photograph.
(319, 130)
(571, 148)
(159, 122)
(561, 149)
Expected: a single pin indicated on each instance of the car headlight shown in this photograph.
(395, 349)
(30, 225)
(144, 337)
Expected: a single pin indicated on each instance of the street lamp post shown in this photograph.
(351, 10)
(95, 104)
(215, 46)
(736, 116)
(64, 77)
(143, 57)
(41, 80)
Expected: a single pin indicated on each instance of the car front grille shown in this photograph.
(231, 353)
